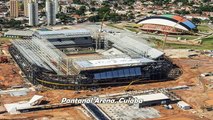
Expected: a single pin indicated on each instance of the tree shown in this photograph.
(77, 2)
(21, 5)
(196, 20)
(205, 1)
(71, 10)
(182, 12)
(95, 18)
(64, 17)
(92, 9)
(114, 17)
(184, 2)
(211, 19)
(106, 4)
(129, 2)
(92, 3)
(103, 10)
(160, 2)
(81, 10)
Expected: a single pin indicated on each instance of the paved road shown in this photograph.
(99, 115)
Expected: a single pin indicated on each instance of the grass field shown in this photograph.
(130, 26)
(115, 26)
(203, 28)
(207, 44)
(187, 37)
(132, 29)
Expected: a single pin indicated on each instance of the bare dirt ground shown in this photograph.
(74, 113)
(176, 114)
(195, 96)
(9, 76)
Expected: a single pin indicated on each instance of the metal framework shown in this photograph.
(43, 63)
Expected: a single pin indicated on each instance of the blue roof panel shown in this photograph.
(115, 74)
(97, 76)
(189, 24)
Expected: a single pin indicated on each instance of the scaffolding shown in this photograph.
(43, 54)
(133, 47)
(44, 63)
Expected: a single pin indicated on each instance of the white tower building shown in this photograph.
(33, 13)
(56, 6)
(50, 12)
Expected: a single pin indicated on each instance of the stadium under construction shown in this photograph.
(77, 59)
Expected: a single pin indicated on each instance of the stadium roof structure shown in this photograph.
(104, 63)
(169, 20)
(19, 33)
(62, 33)
(133, 47)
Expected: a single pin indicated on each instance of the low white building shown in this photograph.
(183, 105)
(13, 108)
(19, 34)
(152, 99)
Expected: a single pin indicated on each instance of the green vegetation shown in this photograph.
(182, 12)
(211, 19)
(203, 28)
(112, 25)
(81, 10)
(129, 2)
(161, 2)
(109, 15)
(207, 44)
(77, 2)
(114, 17)
(132, 29)
(64, 17)
(196, 20)
(187, 37)
(11, 23)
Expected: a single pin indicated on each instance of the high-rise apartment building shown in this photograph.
(33, 13)
(14, 8)
(50, 12)
(26, 2)
(56, 6)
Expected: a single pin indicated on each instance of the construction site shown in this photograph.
(73, 59)
(36, 74)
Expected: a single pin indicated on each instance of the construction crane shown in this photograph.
(127, 87)
(166, 33)
(102, 21)
(101, 30)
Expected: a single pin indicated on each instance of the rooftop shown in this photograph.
(182, 103)
(63, 33)
(113, 62)
(152, 97)
(19, 33)
(133, 47)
